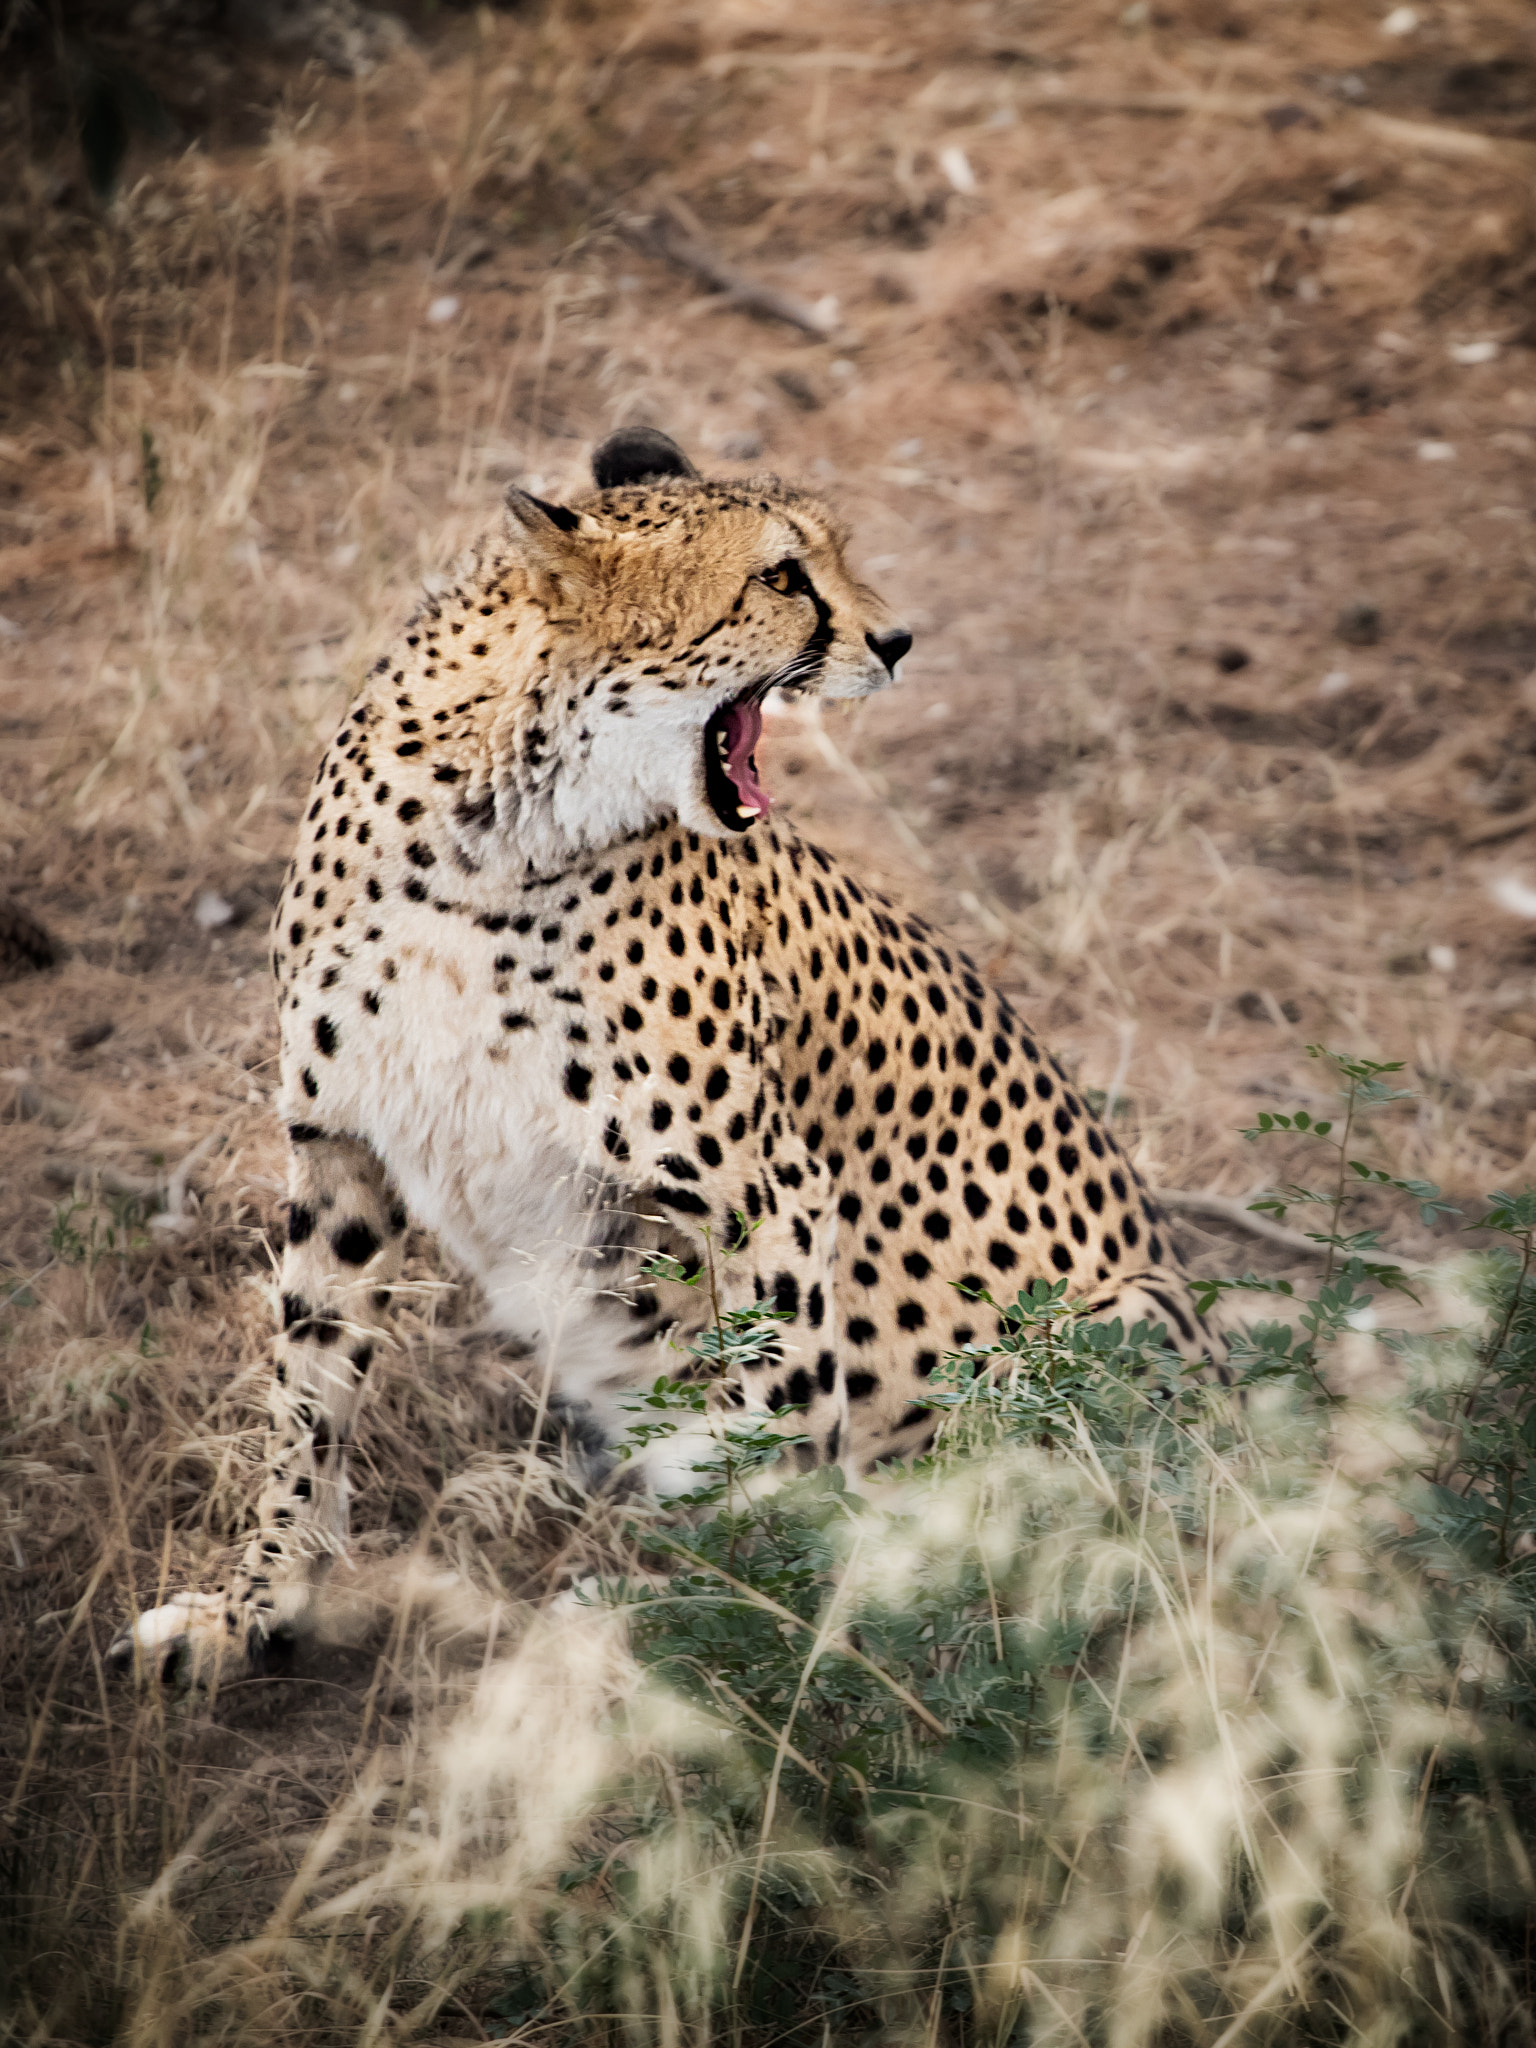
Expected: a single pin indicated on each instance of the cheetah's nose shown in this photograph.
(890, 646)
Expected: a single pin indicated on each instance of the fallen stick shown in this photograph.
(1500, 828)
(727, 61)
(1236, 1216)
(164, 1193)
(1429, 138)
(112, 1180)
(657, 235)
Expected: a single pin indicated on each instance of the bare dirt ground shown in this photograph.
(1178, 386)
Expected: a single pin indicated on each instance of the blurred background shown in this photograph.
(1173, 365)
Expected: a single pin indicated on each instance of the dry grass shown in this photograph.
(1112, 391)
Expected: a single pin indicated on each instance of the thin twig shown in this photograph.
(1494, 829)
(1220, 1209)
(163, 1192)
(754, 1598)
(660, 235)
(1429, 138)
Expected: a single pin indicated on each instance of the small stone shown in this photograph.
(1359, 624)
(1336, 681)
(741, 447)
(1230, 659)
(210, 911)
(1443, 959)
(442, 310)
(956, 166)
(1470, 353)
(1260, 1007)
(798, 389)
(92, 1034)
(1436, 451)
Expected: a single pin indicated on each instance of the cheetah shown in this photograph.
(556, 984)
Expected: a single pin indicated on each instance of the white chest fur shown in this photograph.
(461, 1081)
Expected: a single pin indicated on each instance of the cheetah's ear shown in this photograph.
(546, 536)
(636, 455)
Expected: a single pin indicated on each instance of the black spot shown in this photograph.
(860, 1331)
(977, 1200)
(301, 1223)
(354, 1244)
(661, 1115)
(304, 1134)
(409, 811)
(910, 1316)
(936, 1224)
(311, 1085)
(717, 1084)
(515, 1020)
(326, 1036)
(861, 1384)
(1002, 1255)
(578, 1081)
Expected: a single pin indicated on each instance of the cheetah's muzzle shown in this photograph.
(736, 796)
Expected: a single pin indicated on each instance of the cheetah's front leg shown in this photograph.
(343, 1251)
(784, 1260)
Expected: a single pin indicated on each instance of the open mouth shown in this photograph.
(736, 796)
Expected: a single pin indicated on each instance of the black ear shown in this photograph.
(636, 454)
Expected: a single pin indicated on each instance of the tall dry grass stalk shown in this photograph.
(1190, 1718)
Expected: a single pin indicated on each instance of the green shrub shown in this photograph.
(1124, 1717)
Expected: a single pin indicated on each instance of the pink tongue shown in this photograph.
(743, 730)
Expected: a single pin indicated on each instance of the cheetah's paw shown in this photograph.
(183, 1642)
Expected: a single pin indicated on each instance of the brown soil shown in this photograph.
(1156, 402)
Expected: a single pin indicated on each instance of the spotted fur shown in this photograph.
(541, 994)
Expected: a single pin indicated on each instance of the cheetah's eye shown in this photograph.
(786, 577)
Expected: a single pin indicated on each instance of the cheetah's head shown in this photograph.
(676, 604)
